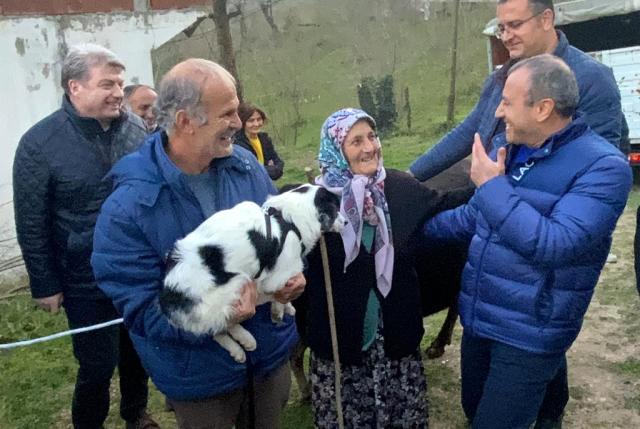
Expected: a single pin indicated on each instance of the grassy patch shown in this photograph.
(578, 393)
(630, 368)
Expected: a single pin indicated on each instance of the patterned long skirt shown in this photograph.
(380, 393)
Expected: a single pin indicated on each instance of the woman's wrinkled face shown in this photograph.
(254, 124)
(361, 149)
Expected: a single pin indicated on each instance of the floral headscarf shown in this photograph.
(362, 197)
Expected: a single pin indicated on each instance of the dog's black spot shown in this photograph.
(213, 258)
(301, 190)
(172, 301)
(267, 249)
(288, 187)
(328, 206)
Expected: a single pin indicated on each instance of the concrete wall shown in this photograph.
(32, 48)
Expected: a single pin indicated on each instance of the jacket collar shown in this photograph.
(563, 45)
(237, 161)
(89, 126)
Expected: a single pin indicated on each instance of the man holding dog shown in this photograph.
(58, 190)
(540, 224)
(178, 178)
(526, 28)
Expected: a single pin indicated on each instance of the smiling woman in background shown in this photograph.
(257, 142)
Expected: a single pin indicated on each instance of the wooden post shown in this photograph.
(454, 61)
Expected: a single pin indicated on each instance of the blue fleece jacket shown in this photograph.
(540, 236)
(150, 208)
(599, 107)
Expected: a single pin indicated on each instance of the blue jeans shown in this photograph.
(98, 353)
(505, 387)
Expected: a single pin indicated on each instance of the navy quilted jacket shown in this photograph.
(599, 106)
(540, 236)
(58, 189)
(150, 208)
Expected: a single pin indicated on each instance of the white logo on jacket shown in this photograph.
(523, 170)
(207, 269)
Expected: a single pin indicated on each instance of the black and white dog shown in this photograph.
(207, 269)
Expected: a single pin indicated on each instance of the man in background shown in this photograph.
(58, 188)
(526, 28)
(140, 100)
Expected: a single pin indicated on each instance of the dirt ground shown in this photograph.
(604, 362)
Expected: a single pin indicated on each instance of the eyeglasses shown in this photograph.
(514, 25)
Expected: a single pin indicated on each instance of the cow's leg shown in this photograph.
(436, 349)
(297, 367)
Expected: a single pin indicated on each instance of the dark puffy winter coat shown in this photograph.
(58, 189)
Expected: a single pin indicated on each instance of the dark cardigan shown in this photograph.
(270, 154)
(410, 204)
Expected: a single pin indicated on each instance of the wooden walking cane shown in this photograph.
(332, 318)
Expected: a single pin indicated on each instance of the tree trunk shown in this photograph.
(265, 6)
(454, 60)
(225, 44)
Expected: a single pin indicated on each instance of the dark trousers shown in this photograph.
(231, 409)
(506, 387)
(98, 353)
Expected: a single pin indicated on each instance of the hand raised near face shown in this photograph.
(484, 168)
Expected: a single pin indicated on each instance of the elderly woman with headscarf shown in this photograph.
(375, 285)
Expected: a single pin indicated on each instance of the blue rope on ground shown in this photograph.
(60, 334)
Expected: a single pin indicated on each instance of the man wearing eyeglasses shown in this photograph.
(526, 29)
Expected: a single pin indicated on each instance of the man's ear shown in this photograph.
(548, 17)
(74, 86)
(183, 122)
(544, 109)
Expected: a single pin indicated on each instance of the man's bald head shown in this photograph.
(182, 87)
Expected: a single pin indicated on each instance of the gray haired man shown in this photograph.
(58, 190)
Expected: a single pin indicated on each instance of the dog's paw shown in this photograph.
(290, 309)
(238, 355)
(249, 344)
(276, 317)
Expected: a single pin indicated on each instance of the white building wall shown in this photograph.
(32, 51)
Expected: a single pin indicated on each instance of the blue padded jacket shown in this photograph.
(540, 236)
